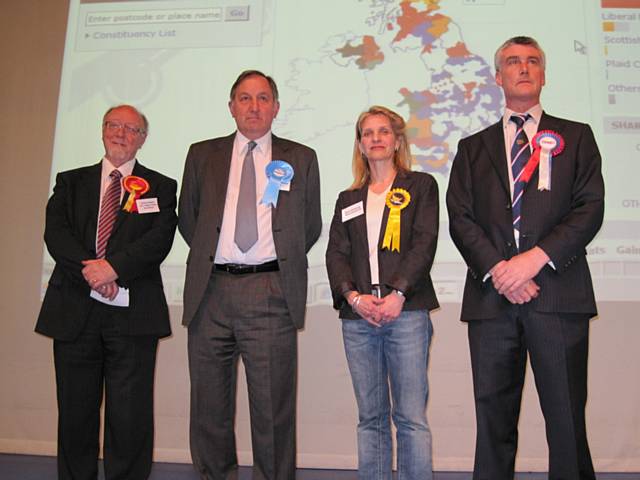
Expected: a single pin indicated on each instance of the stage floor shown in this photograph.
(30, 467)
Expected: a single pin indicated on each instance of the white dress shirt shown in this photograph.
(531, 129)
(375, 211)
(122, 297)
(264, 250)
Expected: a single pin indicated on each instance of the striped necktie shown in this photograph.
(108, 212)
(520, 154)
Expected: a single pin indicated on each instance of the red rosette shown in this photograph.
(136, 186)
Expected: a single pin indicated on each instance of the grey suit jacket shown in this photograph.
(561, 221)
(296, 220)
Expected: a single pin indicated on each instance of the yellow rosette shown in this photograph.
(397, 199)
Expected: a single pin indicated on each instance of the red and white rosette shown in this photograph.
(546, 145)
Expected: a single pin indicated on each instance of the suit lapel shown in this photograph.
(91, 194)
(547, 122)
(217, 178)
(279, 151)
(360, 222)
(138, 171)
(493, 139)
(401, 181)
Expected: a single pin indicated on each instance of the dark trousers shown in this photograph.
(558, 348)
(125, 366)
(246, 316)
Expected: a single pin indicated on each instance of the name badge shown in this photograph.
(352, 211)
(147, 205)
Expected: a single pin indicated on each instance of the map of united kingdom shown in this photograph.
(410, 56)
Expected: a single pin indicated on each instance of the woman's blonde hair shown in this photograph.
(401, 157)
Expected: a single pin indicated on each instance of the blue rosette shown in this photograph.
(279, 173)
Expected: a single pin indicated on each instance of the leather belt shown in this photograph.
(241, 269)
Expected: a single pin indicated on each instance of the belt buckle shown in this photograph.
(376, 291)
(231, 268)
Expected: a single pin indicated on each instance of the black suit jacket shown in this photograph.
(295, 221)
(347, 257)
(561, 221)
(136, 247)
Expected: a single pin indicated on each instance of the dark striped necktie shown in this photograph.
(520, 154)
(108, 212)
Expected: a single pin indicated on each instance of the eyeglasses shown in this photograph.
(113, 127)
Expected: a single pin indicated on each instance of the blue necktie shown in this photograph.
(520, 154)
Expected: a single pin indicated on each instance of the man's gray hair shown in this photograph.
(520, 40)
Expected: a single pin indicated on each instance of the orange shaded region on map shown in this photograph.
(368, 53)
(423, 25)
(458, 50)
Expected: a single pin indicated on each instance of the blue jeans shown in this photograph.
(395, 355)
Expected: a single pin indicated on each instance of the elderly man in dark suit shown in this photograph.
(525, 197)
(250, 211)
(108, 228)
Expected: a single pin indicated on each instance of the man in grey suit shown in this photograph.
(525, 197)
(250, 211)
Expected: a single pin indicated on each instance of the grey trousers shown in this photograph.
(243, 316)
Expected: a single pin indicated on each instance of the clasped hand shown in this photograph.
(101, 277)
(514, 278)
(378, 311)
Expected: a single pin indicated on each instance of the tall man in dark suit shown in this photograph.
(528, 287)
(250, 211)
(108, 227)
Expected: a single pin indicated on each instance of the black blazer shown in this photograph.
(347, 256)
(136, 247)
(561, 221)
(295, 221)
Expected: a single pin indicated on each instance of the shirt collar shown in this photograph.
(262, 144)
(126, 168)
(535, 112)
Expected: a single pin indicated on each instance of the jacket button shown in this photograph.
(211, 258)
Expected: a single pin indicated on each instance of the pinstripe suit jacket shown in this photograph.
(137, 246)
(561, 221)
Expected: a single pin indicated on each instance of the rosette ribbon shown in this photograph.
(279, 173)
(546, 145)
(397, 199)
(136, 186)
